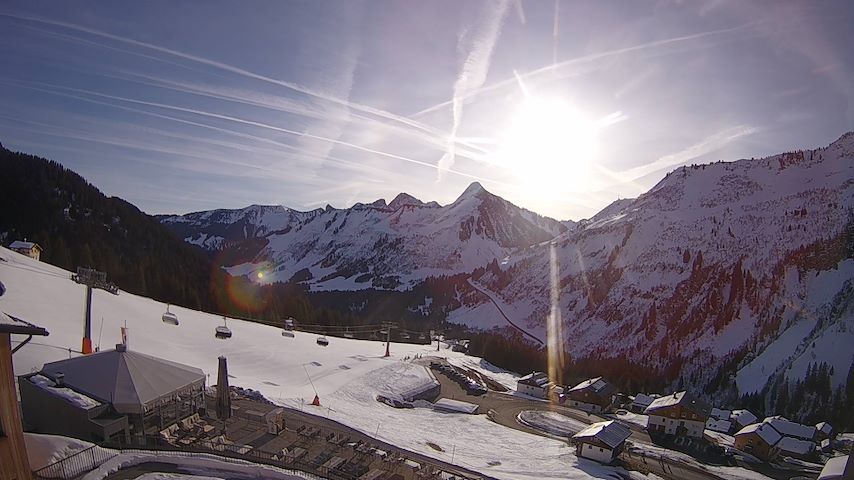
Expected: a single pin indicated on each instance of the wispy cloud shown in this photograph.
(556, 67)
(477, 46)
(252, 123)
(228, 68)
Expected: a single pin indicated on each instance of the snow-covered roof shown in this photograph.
(77, 399)
(455, 406)
(834, 468)
(610, 432)
(720, 414)
(22, 245)
(597, 384)
(721, 426)
(643, 400)
(128, 380)
(793, 445)
(678, 398)
(536, 379)
(824, 427)
(789, 428)
(743, 417)
(10, 324)
(765, 431)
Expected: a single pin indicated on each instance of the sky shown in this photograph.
(559, 106)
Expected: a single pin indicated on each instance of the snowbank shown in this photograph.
(208, 466)
(44, 450)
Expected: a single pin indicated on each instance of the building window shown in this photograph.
(600, 450)
(589, 447)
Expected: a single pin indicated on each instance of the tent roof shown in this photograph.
(128, 380)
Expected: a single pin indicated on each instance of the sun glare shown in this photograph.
(549, 144)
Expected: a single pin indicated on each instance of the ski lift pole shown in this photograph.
(388, 327)
(92, 279)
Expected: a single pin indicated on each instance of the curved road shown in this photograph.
(489, 295)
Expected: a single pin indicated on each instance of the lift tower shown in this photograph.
(92, 279)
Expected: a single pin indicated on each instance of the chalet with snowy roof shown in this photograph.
(601, 441)
(791, 429)
(823, 431)
(112, 394)
(720, 426)
(593, 395)
(680, 414)
(742, 418)
(793, 447)
(30, 249)
(641, 401)
(536, 384)
(14, 463)
(719, 414)
(838, 468)
(757, 439)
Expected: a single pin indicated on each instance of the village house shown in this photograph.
(788, 428)
(537, 384)
(792, 447)
(593, 395)
(719, 414)
(837, 468)
(720, 426)
(757, 439)
(742, 418)
(640, 402)
(823, 431)
(680, 414)
(30, 249)
(601, 441)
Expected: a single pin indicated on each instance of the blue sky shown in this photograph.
(185, 106)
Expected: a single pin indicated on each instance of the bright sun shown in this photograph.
(549, 145)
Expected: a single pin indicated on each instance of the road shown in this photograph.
(495, 302)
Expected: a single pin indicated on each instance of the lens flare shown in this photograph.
(554, 326)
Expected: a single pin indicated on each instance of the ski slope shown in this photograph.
(347, 374)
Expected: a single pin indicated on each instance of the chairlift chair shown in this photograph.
(223, 331)
(169, 317)
(404, 336)
(322, 341)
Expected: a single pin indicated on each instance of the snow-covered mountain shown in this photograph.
(745, 264)
(376, 245)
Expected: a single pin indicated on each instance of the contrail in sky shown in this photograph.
(473, 72)
(229, 68)
(588, 58)
(269, 127)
